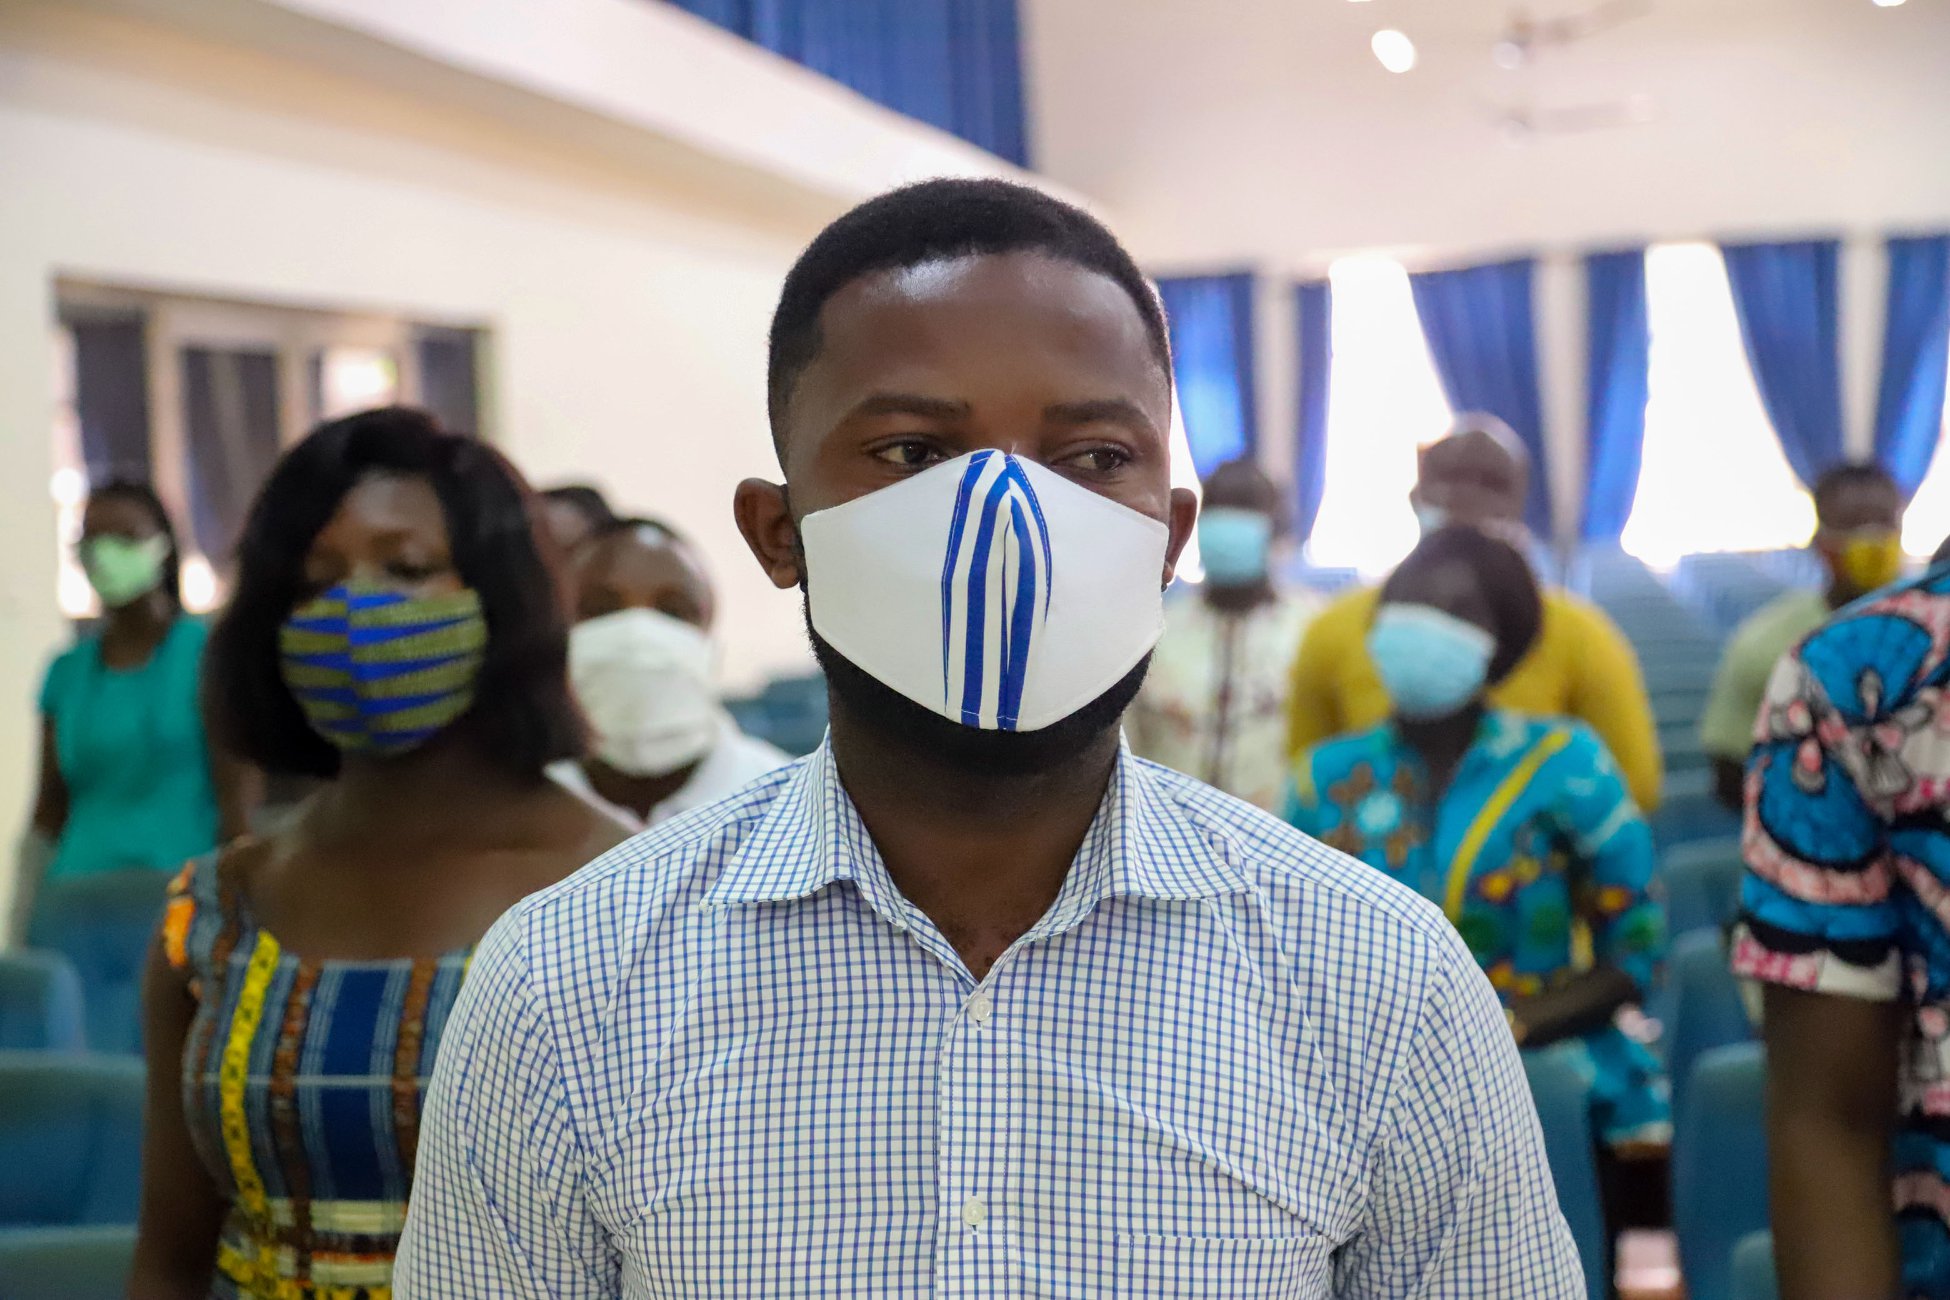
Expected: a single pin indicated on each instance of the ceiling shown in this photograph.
(1265, 130)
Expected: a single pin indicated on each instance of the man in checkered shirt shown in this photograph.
(950, 1008)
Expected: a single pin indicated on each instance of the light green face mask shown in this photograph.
(122, 570)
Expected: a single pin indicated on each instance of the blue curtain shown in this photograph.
(1482, 332)
(1314, 309)
(955, 64)
(1788, 298)
(1618, 352)
(1211, 318)
(1915, 357)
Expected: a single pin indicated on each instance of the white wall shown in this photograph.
(627, 277)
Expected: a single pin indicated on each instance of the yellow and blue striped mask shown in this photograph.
(377, 671)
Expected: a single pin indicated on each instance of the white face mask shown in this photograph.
(645, 680)
(989, 589)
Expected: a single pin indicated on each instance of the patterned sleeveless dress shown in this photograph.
(302, 1087)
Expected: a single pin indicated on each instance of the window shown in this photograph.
(1384, 401)
(1714, 477)
(1927, 525)
(198, 398)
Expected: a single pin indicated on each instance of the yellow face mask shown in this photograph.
(1872, 562)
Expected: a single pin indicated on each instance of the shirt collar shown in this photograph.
(1141, 844)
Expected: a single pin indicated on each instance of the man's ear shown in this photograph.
(765, 519)
(1184, 517)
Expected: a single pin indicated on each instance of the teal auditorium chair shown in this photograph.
(789, 711)
(40, 1003)
(90, 1263)
(1564, 1108)
(70, 1138)
(1753, 1269)
(103, 924)
(1704, 1009)
(1689, 811)
(1702, 884)
(1719, 1167)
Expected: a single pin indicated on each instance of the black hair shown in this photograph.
(142, 494)
(933, 221)
(1516, 602)
(617, 524)
(1850, 474)
(585, 500)
(524, 716)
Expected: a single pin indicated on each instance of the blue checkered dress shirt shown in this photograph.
(731, 1060)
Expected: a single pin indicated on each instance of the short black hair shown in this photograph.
(934, 221)
(1516, 602)
(585, 500)
(1850, 474)
(524, 716)
(630, 524)
(142, 494)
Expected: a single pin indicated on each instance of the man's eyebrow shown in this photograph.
(933, 408)
(1105, 410)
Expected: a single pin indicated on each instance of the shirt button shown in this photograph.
(973, 1212)
(980, 1006)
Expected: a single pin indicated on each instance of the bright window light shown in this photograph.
(1395, 51)
(1927, 525)
(356, 379)
(1713, 477)
(1384, 401)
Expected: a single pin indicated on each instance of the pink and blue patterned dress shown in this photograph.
(1848, 861)
(1538, 856)
(302, 1087)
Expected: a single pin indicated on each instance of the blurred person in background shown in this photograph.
(1859, 538)
(128, 777)
(1520, 828)
(1214, 702)
(1844, 921)
(574, 511)
(644, 668)
(394, 629)
(1581, 666)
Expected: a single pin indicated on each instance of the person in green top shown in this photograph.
(128, 778)
(1858, 535)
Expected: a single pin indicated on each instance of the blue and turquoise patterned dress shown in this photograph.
(1539, 857)
(302, 1087)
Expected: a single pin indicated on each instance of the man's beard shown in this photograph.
(901, 722)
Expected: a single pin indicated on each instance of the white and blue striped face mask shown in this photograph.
(989, 589)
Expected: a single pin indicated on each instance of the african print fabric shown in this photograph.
(302, 1087)
(1536, 853)
(1848, 861)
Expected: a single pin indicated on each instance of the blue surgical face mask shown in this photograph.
(1233, 545)
(1432, 663)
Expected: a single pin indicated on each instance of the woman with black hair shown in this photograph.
(397, 630)
(1520, 828)
(128, 779)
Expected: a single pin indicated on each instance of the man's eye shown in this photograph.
(1101, 460)
(909, 453)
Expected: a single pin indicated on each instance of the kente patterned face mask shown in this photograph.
(380, 672)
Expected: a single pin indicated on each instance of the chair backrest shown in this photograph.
(103, 923)
(40, 1002)
(1563, 1098)
(1753, 1268)
(1719, 1166)
(1702, 884)
(70, 1263)
(1705, 1007)
(70, 1138)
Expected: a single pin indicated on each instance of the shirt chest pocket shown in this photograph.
(1223, 1268)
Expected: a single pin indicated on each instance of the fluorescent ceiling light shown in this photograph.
(1395, 51)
